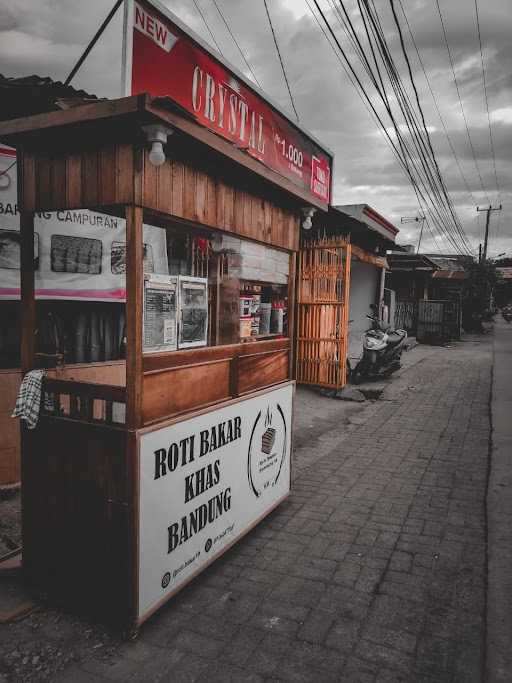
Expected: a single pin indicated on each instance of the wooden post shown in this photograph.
(346, 307)
(28, 304)
(292, 283)
(134, 311)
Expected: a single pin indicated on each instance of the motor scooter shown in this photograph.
(506, 312)
(382, 351)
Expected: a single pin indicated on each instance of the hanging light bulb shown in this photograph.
(157, 154)
(307, 217)
(157, 135)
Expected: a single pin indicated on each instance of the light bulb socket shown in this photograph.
(157, 135)
(307, 217)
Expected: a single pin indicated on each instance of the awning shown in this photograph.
(450, 274)
(367, 257)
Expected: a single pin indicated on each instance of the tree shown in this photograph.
(482, 279)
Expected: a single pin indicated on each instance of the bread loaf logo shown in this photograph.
(267, 449)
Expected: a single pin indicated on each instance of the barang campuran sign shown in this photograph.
(78, 254)
(206, 481)
(165, 61)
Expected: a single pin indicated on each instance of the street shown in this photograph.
(255, 342)
(373, 570)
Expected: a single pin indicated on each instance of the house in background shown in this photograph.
(503, 290)
(371, 236)
(429, 294)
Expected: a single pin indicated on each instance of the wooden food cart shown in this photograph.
(133, 483)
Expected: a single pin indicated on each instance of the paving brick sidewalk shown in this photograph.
(374, 570)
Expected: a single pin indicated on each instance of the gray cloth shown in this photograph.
(28, 402)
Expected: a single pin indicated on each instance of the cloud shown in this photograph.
(47, 37)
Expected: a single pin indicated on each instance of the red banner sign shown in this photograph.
(166, 61)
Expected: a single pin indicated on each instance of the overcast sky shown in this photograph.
(46, 37)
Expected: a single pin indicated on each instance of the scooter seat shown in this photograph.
(394, 338)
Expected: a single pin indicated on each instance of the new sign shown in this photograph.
(206, 481)
(163, 60)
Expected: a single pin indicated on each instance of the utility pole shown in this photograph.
(415, 219)
(486, 238)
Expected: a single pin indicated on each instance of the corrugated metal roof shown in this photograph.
(408, 261)
(505, 272)
(366, 214)
(36, 95)
(450, 274)
(447, 264)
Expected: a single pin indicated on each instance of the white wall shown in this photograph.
(364, 284)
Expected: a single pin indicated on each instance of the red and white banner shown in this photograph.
(77, 254)
(165, 61)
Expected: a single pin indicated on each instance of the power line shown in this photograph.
(427, 134)
(207, 26)
(402, 151)
(460, 99)
(352, 82)
(371, 111)
(487, 220)
(421, 141)
(236, 42)
(418, 169)
(425, 165)
(93, 42)
(362, 90)
(464, 179)
(280, 59)
(486, 100)
(434, 238)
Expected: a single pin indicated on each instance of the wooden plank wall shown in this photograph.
(113, 373)
(177, 383)
(76, 516)
(191, 193)
(10, 471)
(85, 179)
(106, 176)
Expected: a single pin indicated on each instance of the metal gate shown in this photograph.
(438, 321)
(322, 316)
(405, 315)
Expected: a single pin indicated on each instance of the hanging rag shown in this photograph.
(29, 398)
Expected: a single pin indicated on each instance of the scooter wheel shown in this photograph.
(356, 376)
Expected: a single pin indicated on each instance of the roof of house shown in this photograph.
(374, 220)
(505, 272)
(400, 260)
(449, 274)
(363, 232)
(448, 264)
(441, 267)
(37, 95)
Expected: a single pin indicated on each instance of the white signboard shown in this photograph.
(206, 481)
(160, 313)
(77, 254)
(193, 311)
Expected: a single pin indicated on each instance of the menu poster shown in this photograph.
(160, 313)
(193, 312)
